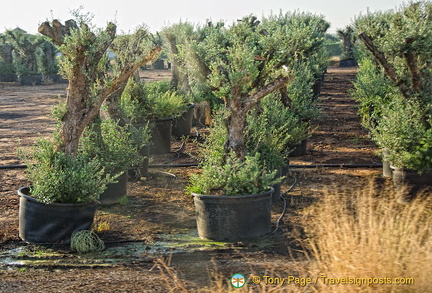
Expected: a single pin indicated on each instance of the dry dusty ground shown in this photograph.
(159, 213)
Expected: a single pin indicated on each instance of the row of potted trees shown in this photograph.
(394, 90)
(262, 72)
(28, 59)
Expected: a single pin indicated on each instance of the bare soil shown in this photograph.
(158, 207)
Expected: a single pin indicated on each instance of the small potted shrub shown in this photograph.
(62, 196)
(118, 150)
(300, 106)
(158, 103)
(406, 134)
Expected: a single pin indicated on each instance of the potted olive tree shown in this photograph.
(348, 38)
(233, 193)
(25, 50)
(190, 57)
(403, 51)
(84, 65)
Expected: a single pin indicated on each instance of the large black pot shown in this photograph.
(232, 218)
(115, 191)
(411, 181)
(51, 223)
(34, 79)
(316, 87)
(299, 149)
(348, 63)
(182, 125)
(8, 77)
(161, 130)
(56, 78)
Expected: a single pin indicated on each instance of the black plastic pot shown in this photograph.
(34, 79)
(56, 78)
(200, 114)
(347, 63)
(411, 181)
(285, 169)
(8, 77)
(115, 191)
(387, 170)
(233, 218)
(161, 130)
(299, 149)
(41, 223)
(182, 125)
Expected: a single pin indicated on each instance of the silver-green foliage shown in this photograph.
(234, 177)
(116, 147)
(60, 178)
(154, 100)
(397, 101)
(405, 134)
(271, 129)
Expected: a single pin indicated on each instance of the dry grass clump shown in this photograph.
(365, 233)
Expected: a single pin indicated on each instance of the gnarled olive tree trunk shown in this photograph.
(239, 106)
(88, 87)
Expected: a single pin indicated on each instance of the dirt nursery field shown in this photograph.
(151, 240)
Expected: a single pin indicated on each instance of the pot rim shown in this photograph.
(162, 119)
(22, 193)
(268, 192)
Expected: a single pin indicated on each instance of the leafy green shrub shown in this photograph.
(299, 91)
(60, 178)
(156, 100)
(406, 135)
(373, 90)
(113, 145)
(234, 177)
(270, 129)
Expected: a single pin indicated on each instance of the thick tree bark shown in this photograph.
(179, 80)
(239, 106)
(388, 67)
(57, 31)
(411, 60)
(285, 99)
(82, 105)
